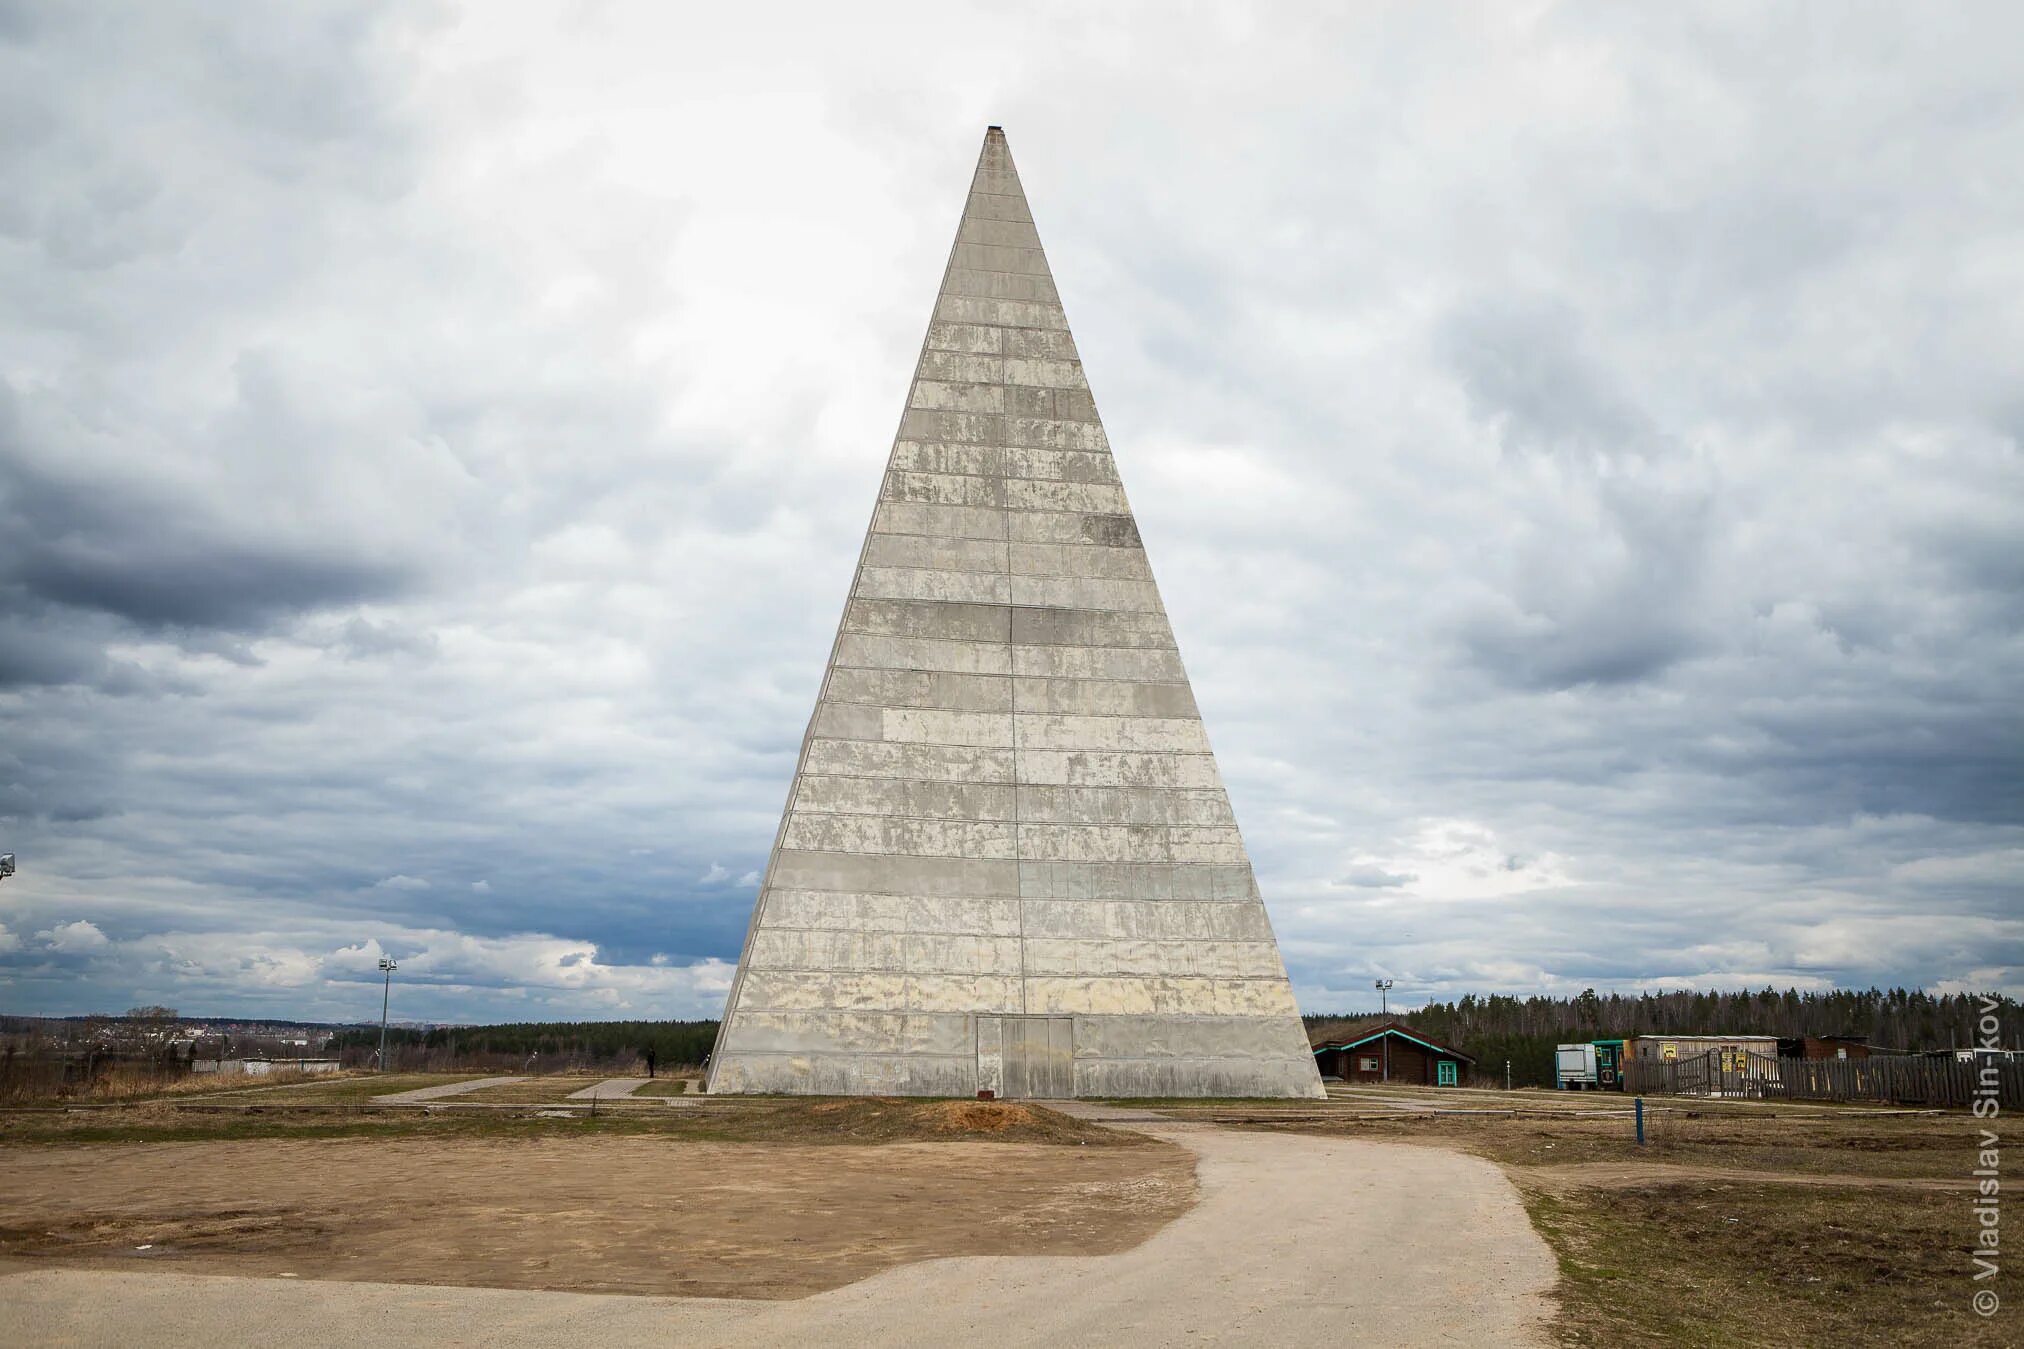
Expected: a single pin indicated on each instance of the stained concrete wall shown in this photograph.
(1007, 804)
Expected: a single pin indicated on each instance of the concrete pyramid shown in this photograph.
(1007, 863)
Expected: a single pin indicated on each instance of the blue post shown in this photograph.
(1640, 1121)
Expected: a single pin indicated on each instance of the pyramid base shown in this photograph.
(1023, 1058)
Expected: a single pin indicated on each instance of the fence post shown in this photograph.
(1640, 1121)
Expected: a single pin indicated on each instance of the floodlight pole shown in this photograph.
(1383, 987)
(387, 968)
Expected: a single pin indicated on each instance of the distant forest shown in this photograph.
(673, 1043)
(1525, 1030)
(1492, 1029)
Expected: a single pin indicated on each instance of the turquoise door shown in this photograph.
(1444, 1073)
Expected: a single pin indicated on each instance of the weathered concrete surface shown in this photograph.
(1408, 1245)
(1007, 804)
(446, 1089)
(612, 1089)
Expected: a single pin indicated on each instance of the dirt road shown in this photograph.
(1295, 1241)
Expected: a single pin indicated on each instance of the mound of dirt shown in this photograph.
(978, 1117)
(889, 1119)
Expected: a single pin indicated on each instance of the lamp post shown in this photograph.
(387, 968)
(1383, 987)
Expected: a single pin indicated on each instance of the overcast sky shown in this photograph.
(1578, 446)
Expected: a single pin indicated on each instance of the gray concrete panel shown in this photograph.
(946, 489)
(1101, 698)
(1140, 665)
(896, 796)
(1136, 881)
(945, 554)
(923, 583)
(1122, 805)
(960, 878)
(958, 397)
(1080, 592)
(1004, 233)
(968, 338)
(1045, 346)
(1089, 627)
(1082, 768)
(920, 688)
(858, 651)
(996, 206)
(959, 522)
(1164, 735)
(1077, 559)
(849, 721)
(1115, 531)
(1049, 433)
(946, 622)
(882, 834)
(929, 763)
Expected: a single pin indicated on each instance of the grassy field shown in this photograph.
(1762, 1263)
(358, 1088)
(124, 1085)
(1735, 1224)
(671, 1086)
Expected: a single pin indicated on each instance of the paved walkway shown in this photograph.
(611, 1089)
(1296, 1241)
(447, 1089)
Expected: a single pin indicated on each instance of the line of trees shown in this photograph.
(670, 1044)
(1525, 1030)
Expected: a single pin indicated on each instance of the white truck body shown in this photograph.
(1574, 1067)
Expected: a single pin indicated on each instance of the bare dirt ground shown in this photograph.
(626, 1213)
(1288, 1234)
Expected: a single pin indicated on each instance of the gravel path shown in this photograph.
(611, 1089)
(447, 1089)
(1296, 1241)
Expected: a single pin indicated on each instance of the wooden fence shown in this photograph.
(1897, 1080)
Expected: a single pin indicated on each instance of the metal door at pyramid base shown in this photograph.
(1026, 1057)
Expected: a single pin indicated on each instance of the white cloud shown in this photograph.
(80, 937)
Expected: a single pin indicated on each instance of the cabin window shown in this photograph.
(1444, 1073)
(1366, 1063)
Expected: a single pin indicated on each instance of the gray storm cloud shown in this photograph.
(1579, 448)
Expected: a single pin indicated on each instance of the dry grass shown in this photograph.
(748, 1120)
(1759, 1263)
(140, 1083)
(672, 1086)
(1736, 1224)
